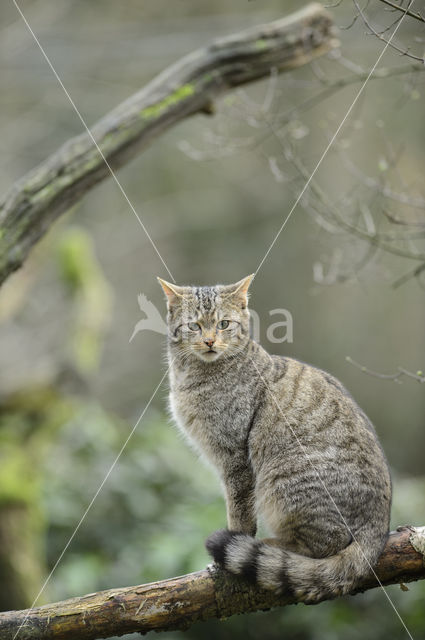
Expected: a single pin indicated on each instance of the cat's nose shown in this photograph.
(209, 342)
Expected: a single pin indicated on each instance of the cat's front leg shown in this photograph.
(240, 501)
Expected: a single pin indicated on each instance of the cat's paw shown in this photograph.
(217, 543)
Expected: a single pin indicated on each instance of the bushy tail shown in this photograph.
(288, 573)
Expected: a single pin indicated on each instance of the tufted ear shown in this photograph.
(239, 290)
(173, 292)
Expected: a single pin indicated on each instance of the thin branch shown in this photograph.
(333, 5)
(178, 603)
(414, 201)
(406, 223)
(331, 212)
(187, 87)
(403, 52)
(418, 376)
(335, 85)
(413, 273)
(412, 14)
(225, 147)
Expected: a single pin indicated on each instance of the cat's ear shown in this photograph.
(239, 290)
(173, 292)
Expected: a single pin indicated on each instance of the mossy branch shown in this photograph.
(178, 603)
(187, 87)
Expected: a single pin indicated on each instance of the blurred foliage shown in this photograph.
(91, 295)
(139, 529)
(151, 519)
(29, 420)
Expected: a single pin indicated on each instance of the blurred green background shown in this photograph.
(212, 192)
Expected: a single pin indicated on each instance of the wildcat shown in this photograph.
(289, 444)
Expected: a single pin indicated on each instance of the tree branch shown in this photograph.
(418, 376)
(187, 87)
(331, 212)
(178, 603)
(403, 52)
(398, 7)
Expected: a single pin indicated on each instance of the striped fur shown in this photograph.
(289, 444)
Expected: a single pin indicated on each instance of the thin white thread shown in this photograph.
(93, 139)
(265, 257)
(169, 272)
(111, 468)
(332, 139)
(330, 496)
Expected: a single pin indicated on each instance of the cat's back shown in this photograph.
(315, 453)
(310, 412)
(310, 394)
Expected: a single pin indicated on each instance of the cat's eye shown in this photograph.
(223, 324)
(194, 326)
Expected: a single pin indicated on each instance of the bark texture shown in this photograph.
(187, 87)
(178, 603)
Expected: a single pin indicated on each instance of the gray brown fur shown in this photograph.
(290, 445)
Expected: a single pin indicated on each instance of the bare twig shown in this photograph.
(412, 14)
(414, 201)
(330, 211)
(225, 147)
(418, 376)
(413, 273)
(407, 223)
(403, 52)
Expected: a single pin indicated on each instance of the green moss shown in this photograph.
(18, 479)
(28, 421)
(1, 233)
(75, 252)
(261, 44)
(155, 110)
(90, 294)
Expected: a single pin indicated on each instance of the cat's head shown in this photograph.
(208, 322)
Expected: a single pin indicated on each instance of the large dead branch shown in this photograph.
(187, 87)
(180, 602)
